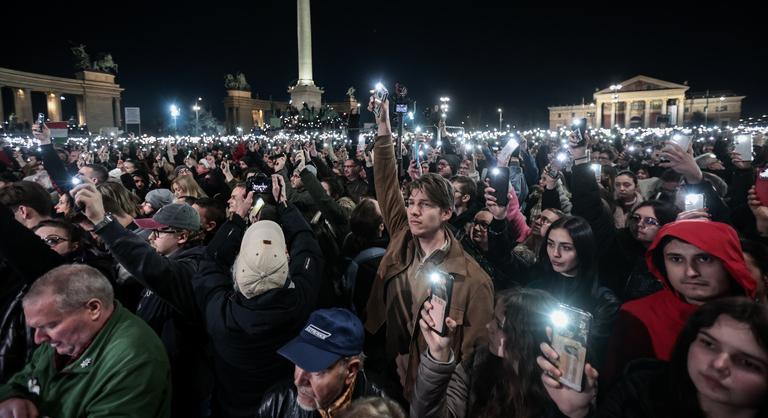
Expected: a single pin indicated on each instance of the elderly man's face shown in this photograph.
(68, 333)
(318, 390)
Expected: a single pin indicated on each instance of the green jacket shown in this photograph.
(123, 373)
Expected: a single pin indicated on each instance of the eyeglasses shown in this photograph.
(543, 219)
(482, 225)
(156, 232)
(649, 221)
(52, 240)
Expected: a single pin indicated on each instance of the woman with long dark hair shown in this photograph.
(719, 368)
(501, 379)
(567, 269)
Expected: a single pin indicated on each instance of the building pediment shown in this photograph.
(643, 83)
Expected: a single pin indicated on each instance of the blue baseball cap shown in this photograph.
(329, 335)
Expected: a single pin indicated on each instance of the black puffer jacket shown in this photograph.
(280, 400)
(246, 333)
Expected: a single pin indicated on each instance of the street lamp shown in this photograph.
(501, 117)
(615, 96)
(444, 106)
(175, 112)
(196, 108)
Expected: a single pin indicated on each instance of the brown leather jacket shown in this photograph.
(472, 299)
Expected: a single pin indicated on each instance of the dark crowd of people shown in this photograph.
(297, 278)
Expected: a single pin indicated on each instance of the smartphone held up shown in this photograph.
(499, 181)
(380, 95)
(570, 334)
(579, 129)
(441, 289)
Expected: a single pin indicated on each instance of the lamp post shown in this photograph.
(501, 117)
(443, 115)
(615, 96)
(196, 108)
(175, 112)
(444, 107)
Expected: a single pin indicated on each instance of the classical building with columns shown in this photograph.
(648, 102)
(96, 94)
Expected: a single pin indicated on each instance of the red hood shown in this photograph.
(716, 238)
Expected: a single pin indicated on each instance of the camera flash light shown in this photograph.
(559, 319)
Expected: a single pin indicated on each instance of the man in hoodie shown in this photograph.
(697, 261)
(277, 276)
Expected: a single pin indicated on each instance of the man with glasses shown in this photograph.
(165, 267)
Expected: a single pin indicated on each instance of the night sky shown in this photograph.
(484, 56)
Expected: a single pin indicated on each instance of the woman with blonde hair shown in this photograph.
(186, 186)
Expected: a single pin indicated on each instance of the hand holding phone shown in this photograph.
(380, 95)
(499, 181)
(570, 334)
(579, 129)
(441, 290)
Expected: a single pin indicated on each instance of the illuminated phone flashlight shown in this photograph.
(440, 143)
(495, 171)
(76, 180)
(576, 122)
(468, 147)
(421, 153)
(435, 278)
(648, 150)
(379, 86)
(559, 319)
(562, 157)
(631, 148)
(694, 201)
(595, 167)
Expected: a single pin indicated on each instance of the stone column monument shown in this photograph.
(305, 90)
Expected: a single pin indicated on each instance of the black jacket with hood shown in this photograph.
(246, 333)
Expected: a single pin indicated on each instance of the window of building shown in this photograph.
(722, 108)
(559, 115)
(573, 114)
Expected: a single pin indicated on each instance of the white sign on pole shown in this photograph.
(132, 116)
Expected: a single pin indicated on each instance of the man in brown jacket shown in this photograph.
(420, 243)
